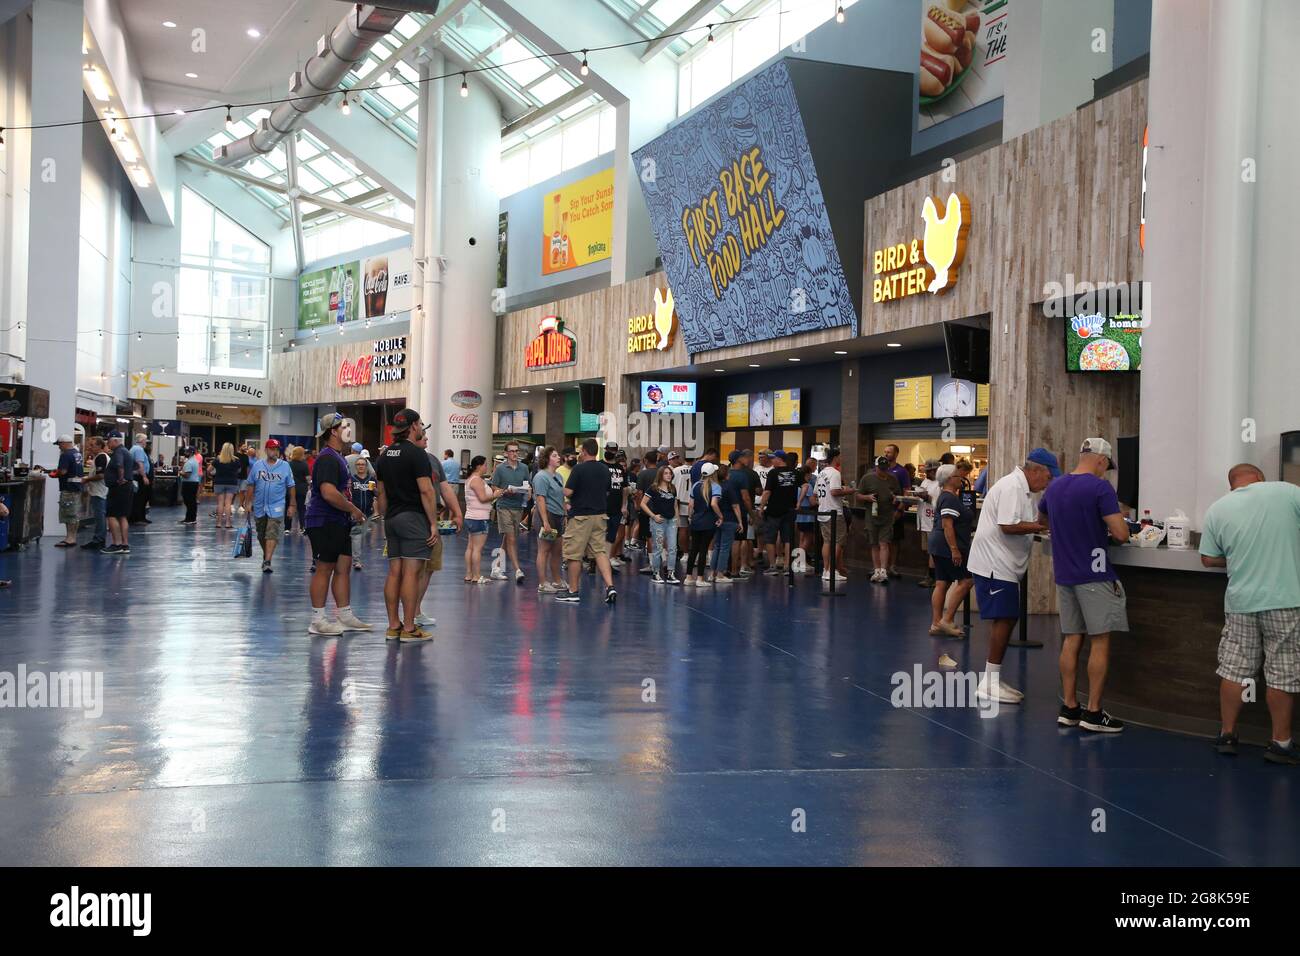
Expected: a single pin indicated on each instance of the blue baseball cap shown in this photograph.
(357, 446)
(1041, 456)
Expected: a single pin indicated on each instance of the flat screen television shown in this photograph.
(1096, 342)
(787, 406)
(968, 352)
(516, 422)
(660, 396)
(591, 398)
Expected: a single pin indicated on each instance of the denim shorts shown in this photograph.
(476, 525)
(224, 489)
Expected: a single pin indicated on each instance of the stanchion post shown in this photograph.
(1024, 640)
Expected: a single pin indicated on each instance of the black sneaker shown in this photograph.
(1098, 721)
(1069, 716)
(266, 567)
(610, 595)
(893, 573)
(569, 597)
(92, 545)
(656, 578)
(672, 578)
(109, 549)
(1226, 744)
(1276, 753)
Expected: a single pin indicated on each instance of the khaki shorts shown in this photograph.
(584, 537)
(508, 521)
(69, 507)
(268, 527)
(434, 561)
(1098, 607)
(879, 530)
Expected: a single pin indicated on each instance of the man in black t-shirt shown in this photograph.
(615, 528)
(778, 503)
(587, 491)
(408, 503)
(645, 480)
(245, 489)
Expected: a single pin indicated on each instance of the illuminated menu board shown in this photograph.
(785, 406)
(912, 398)
(737, 411)
(981, 400)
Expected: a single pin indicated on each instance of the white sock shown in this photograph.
(318, 613)
(1284, 744)
(991, 670)
(343, 610)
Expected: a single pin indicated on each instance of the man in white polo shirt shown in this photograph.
(999, 558)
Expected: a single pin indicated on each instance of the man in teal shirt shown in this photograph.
(512, 476)
(1254, 532)
(271, 480)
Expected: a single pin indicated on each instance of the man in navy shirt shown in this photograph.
(900, 509)
(1082, 511)
(69, 473)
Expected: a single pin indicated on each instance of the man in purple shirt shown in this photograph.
(1082, 511)
(900, 507)
(330, 513)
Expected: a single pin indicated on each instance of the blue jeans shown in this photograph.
(98, 510)
(722, 547)
(665, 544)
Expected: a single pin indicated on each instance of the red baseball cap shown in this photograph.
(272, 443)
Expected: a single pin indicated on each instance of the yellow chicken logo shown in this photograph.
(665, 318)
(944, 243)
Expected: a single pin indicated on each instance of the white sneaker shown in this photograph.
(350, 622)
(998, 690)
(826, 576)
(519, 576)
(325, 627)
(498, 576)
(616, 562)
(421, 620)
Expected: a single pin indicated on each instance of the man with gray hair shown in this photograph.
(1083, 512)
(999, 558)
(142, 477)
(1254, 532)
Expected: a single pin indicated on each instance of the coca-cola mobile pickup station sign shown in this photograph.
(385, 363)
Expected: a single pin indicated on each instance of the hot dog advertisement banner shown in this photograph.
(367, 288)
(963, 56)
(578, 223)
(739, 216)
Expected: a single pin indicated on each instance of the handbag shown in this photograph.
(244, 541)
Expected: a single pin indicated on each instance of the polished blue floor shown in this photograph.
(523, 733)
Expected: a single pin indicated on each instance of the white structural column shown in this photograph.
(431, 126)
(54, 230)
(1199, 260)
(466, 355)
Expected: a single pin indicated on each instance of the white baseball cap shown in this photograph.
(64, 438)
(1098, 446)
(708, 468)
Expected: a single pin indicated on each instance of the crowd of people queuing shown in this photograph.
(709, 523)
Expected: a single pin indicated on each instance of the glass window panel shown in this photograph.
(351, 189)
(475, 28)
(581, 141)
(513, 173)
(756, 41)
(684, 89)
(407, 73)
(328, 169)
(575, 109)
(192, 349)
(667, 11)
(523, 72)
(551, 88)
(232, 241)
(195, 291)
(712, 71)
(608, 130)
(400, 96)
(196, 224)
(309, 180)
(407, 27)
(544, 159)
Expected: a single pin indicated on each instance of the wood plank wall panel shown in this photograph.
(309, 376)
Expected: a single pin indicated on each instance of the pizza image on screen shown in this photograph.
(1103, 355)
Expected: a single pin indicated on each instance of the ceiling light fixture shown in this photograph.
(840, 352)
(230, 120)
(893, 345)
(792, 360)
(98, 88)
(253, 32)
(191, 76)
(464, 86)
(169, 24)
(178, 111)
(839, 13)
(752, 365)
(710, 32)
(584, 70)
(345, 107)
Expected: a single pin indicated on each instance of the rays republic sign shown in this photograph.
(553, 347)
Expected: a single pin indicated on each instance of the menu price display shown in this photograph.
(912, 398)
(737, 411)
(786, 406)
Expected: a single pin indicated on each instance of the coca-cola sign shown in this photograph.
(386, 363)
(464, 425)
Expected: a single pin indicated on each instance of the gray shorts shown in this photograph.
(1270, 638)
(407, 534)
(1098, 607)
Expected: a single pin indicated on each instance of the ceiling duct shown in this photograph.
(414, 6)
(320, 77)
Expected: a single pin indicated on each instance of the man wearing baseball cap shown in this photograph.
(409, 506)
(999, 558)
(271, 480)
(1083, 512)
(616, 504)
(330, 513)
(69, 472)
